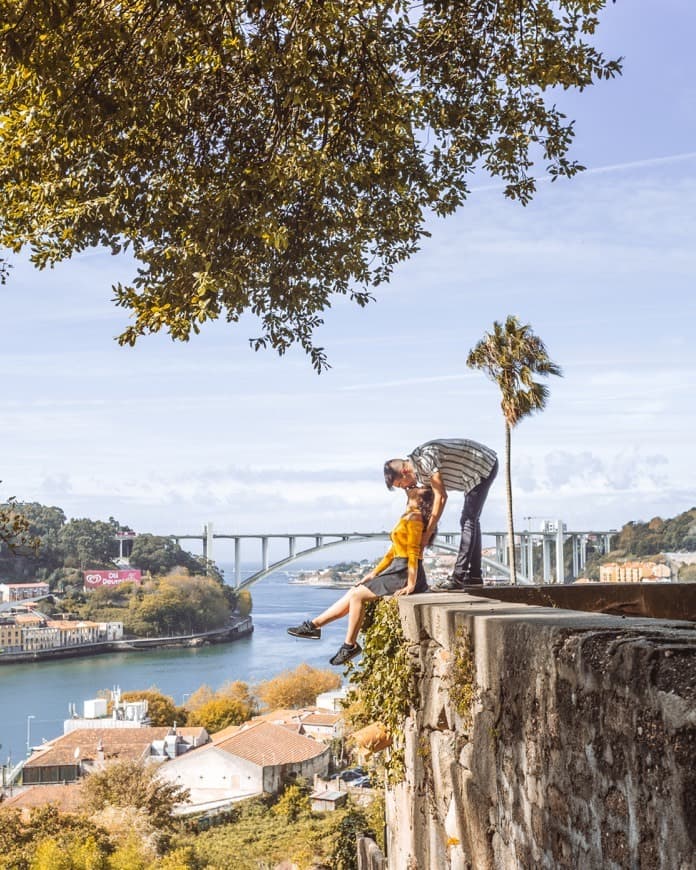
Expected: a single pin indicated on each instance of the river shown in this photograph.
(44, 690)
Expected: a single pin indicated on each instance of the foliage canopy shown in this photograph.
(265, 156)
(133, 784)
(296, 688)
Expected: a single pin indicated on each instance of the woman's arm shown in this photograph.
(387, 559)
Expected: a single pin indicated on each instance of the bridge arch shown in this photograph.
(357, 538)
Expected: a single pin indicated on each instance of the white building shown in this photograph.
(257, 757)
(22, 591)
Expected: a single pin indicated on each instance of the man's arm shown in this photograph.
(439, 502)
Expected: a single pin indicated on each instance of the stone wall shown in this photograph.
(546, 738)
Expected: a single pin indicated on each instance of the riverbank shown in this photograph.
(240, 627)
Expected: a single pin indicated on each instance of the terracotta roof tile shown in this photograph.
(266, 744)
(117, 743)
(66, 798)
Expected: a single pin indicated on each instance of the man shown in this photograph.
(451, 464)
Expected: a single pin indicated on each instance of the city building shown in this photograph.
(123, 714)
(257, 757)
(633, 572)
(31, 631)
(21, 591)
(10, 636)
(316, 722)
(68, 758)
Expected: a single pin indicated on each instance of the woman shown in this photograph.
(399, 573)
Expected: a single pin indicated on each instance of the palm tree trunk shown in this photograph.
(508, 489)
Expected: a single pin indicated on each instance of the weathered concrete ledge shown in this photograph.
(545, 738)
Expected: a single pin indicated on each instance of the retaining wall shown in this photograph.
(546, 738)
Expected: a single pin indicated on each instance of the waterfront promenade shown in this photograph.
(237, 628)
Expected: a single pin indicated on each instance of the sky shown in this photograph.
(167, 437)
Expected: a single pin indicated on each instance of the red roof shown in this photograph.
(269, 745)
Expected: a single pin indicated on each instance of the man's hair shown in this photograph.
(392, 471)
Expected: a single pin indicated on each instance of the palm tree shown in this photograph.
(512, 355)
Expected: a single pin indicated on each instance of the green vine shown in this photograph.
(384, 683)
(463, 689)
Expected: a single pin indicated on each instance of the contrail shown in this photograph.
(596, 170)
(635, 164)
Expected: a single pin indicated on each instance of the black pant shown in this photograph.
(467, 568)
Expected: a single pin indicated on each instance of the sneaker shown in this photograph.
(345, 654)
(449, 585)
(307, 629)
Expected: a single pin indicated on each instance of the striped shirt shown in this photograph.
(462, 464)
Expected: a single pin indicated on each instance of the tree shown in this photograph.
(296, 688)
(78, 854)
(512, 355)
(264, 157)
(244, 602)
(179, 604)
(293, 803)
(159, 555)
(219, 713)
(78, 837)
(132, 784)
(89, 543)
(15, 528)
(232, 704)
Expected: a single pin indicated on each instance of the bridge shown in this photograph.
(549, 542)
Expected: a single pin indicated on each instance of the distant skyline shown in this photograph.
(166, 437)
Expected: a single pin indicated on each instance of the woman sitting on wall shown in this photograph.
(399, 573)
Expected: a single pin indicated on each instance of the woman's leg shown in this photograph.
(336, 610)
(356, 611)
(352, 603)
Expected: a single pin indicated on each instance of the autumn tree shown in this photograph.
(265, 157)
(296, 688)
(15, 528)
(201, 696)
(244, 602)
(513, 356)
(239, 691)
(219, 713)
(70, 834)
(82, 853)
(181, 604)
(133, 784)
(232, 704)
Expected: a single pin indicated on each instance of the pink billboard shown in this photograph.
(110, 578)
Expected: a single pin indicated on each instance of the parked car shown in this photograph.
(361, 782)
(351, 774)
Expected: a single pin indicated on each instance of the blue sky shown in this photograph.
(166, 437)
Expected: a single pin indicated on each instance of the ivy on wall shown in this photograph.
(384, 683)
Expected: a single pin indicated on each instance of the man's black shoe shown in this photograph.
(448, 585)
(345, 654)
(307, 629)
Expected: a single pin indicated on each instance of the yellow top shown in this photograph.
(406, 537)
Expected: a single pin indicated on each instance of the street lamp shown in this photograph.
(29, 718)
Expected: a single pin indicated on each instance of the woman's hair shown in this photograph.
(424, 499)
